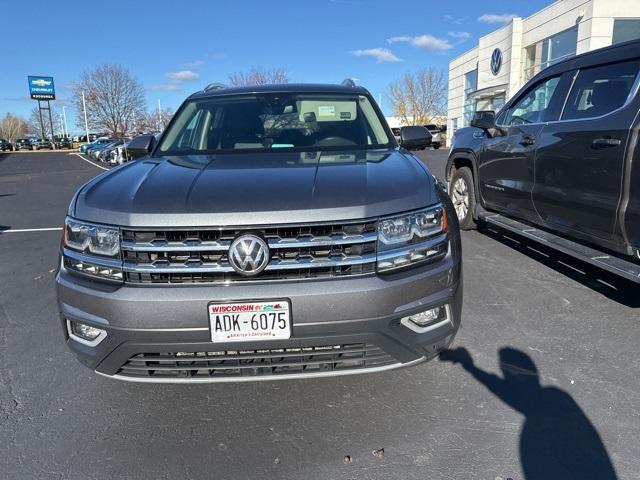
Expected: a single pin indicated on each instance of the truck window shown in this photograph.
(534, 105)
(601, 90)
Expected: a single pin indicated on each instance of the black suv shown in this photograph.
(44, 143)
(63, 143)
(23, 144)
(563, 154)
(5, 145)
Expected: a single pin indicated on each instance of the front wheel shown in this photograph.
(463, 196)
(436, 146)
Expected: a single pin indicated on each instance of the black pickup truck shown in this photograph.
(560, 162)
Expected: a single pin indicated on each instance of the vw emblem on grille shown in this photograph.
(496, 61)
(249, 255)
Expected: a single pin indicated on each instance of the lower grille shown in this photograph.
(256, 363)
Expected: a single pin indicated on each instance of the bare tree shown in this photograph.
(417, 98)
(114, 98)
(153, 121)
(34, 127)
(12, 127)
(259, 76)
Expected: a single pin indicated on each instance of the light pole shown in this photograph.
(64, 115)
(159, 117)
(86, 124)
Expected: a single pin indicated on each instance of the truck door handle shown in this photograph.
(605, 143)
(527, 141)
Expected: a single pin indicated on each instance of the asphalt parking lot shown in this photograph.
(572, 330)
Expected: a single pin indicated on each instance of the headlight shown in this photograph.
(90, 238)
(413, 238)
(92, 250)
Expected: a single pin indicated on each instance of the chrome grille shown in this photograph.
(252, 363)
(193, 256)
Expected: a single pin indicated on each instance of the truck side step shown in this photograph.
(615, 265)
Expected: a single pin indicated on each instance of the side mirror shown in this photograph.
(485, 120)
(414, 138)
(141, 146)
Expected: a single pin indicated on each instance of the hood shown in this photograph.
(254, 189)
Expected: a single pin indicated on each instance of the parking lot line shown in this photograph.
(26, 230)
(89, 161)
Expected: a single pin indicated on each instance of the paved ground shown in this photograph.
(578, 328)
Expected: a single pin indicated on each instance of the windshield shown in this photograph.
(275, 121)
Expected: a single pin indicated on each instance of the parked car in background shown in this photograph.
(560, 163)
(5, 145)
(340, 256)
(43, 143)
(23, 144)
(63, 143)
(436, 136)
(96, 143)
(95, 152)
(104, 154)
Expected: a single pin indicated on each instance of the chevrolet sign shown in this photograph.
(41, 88)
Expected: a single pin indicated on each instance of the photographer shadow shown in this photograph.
(557, 440)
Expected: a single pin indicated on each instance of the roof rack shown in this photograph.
(214, 86)
(348, 82)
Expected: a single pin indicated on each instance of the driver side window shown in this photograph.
(533, 107)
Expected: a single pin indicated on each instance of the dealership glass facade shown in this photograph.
(470, 86)
(549, 51)
(626, 29)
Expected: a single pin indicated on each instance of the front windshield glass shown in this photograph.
(275, 121)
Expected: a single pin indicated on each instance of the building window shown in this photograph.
(549, 51)
(470, 86)
(471, 81)
(625, 30)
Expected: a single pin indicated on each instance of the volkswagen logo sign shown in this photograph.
(249, 255)
(496, 61)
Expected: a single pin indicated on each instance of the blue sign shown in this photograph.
(496, 61)
(41, 88)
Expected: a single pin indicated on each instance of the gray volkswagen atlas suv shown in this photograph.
(271, 232)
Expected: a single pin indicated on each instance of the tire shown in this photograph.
(463, 195)
(436, 146)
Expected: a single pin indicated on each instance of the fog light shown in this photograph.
(426, 320)
(85, 334)
(423, 319)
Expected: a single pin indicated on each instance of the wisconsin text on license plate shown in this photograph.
(245, 322)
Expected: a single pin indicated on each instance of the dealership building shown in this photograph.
(484, 77)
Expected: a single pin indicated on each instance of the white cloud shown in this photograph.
(454, 20)
(380, 54)
(193, 65)
(166, 87)
(182, 76)
(462, 36)
(496, 18)
(426, 42)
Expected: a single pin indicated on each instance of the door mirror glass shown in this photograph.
(485, 120)
(414, 138)
(141, 146)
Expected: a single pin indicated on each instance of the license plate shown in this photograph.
(251, 321)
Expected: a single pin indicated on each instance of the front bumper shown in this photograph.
(329, 317)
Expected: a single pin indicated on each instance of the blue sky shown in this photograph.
(176, 47)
